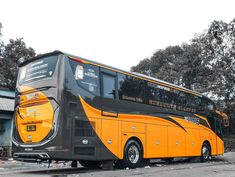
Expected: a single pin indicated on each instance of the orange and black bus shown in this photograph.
(73, 109)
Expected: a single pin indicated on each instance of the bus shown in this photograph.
(72, 109)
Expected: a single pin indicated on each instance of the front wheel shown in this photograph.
(133, 155)
(205, 152)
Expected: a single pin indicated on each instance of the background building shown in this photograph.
(7, 101)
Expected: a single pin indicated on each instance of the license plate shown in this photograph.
(31, 128)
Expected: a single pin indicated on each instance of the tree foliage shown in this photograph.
(1, 43)
(206, 64)
(13, 51)
(0, 29)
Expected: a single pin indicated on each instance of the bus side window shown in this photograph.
(159, 95)
(108, 86)
(153, 93)
(130, 88)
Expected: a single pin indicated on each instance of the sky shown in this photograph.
(118, 33)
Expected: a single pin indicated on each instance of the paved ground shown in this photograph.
(217, 167)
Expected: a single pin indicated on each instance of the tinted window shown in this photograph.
(87, 76)
(181, 98)
(158, 95)
(108, 86)
(205, 106)
(166, 97)
(37, 70)
(185, 101)
(158, 92)
(130, 88)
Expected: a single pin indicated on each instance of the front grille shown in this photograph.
(84, 128)
(90, 151)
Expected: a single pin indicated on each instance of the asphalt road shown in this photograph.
(218, 167)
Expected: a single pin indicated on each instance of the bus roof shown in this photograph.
(134, 74)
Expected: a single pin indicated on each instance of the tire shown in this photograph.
(90, 164)
(133, 155)
(74, 164)
(205, 152)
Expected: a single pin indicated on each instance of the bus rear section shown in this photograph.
(37, 109)
(50, 121)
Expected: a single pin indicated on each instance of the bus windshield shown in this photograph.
(37, 70)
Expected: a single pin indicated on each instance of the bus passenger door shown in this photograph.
(109, 114)
(109, 104)
(212, 137)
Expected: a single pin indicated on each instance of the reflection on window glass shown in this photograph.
(108, 86)
(158, 95)
(130, 88)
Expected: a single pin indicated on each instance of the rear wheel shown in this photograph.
(133, 155)
(74, 164)
(205, 152)
(167, 160)
(90, 164)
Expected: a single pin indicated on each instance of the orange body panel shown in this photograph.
(35, 110)
(193, 143)
(220, 147)
(156, 141)
(160, 138)
(176, 142)
(109, 135)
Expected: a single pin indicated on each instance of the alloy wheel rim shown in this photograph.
(133, 154)
(205, 152)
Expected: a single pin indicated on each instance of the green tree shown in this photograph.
(193, 70)
(1, 43)
(162, 65)
(13, 51)
(143, 67)
(219, 55)
(0, 29)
